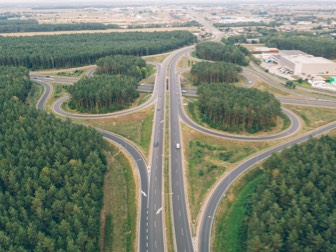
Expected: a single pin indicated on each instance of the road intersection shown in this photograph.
(151, 228)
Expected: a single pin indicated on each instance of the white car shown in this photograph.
(178, 146)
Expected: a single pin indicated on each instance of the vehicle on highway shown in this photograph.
(156, 143)
(178, 146)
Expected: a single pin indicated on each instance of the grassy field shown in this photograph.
(229, 227)
(34, 94)
(57, 91)
(156, 58)
(207, 158)
(186, 80)
(184, 62)
(119, 214)
(136, 127)
(68, 72)
(313, 117)
(265, 87)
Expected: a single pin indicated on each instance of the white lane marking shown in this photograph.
(144, 194)
(159, 210)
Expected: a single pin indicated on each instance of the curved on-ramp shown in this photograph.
(138, 159)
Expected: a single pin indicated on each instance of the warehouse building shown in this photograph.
(300, 63)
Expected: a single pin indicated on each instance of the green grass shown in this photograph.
(230, 226)
(151, 69)
(34, 94)
(59, 90)
(303, 84)
(193, 110)
(146, 132)
(139, 132)
(286, 122)
(108, 237)
(119, 203)
(143, 98)
(208, 162)
(75, 73)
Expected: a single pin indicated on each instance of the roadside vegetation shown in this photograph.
(229, 226)
(216, 72)
(317, 46)
(51, 175)
(31, 25)
(64, 51)
(233, 108)
(136, 127)
(118, 220)
(219, 52)
(122, 65)
(292, 209)
(208, 158)
(103, 93)
(34, 95)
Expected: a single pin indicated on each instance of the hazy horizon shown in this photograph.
(109, 2)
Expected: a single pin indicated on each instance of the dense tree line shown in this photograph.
(103, 93)
(215, 72)
(324, 47)
(219, 52)
(11, 26)
(122, 65)
(14, 83)
(293, 208)
(51, 176)
(69, 50)
(233, 108)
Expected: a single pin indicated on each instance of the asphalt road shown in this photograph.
(152, 228)
(43, 99)
(204, 229)
(183, 240)
(137, 158)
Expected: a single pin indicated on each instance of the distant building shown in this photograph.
(253, 41)
(301, 63)
(260, 50)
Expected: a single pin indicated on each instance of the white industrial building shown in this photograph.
(301, 63)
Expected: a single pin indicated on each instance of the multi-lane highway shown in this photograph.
(151, 228)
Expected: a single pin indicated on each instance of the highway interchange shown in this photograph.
(151, 226)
